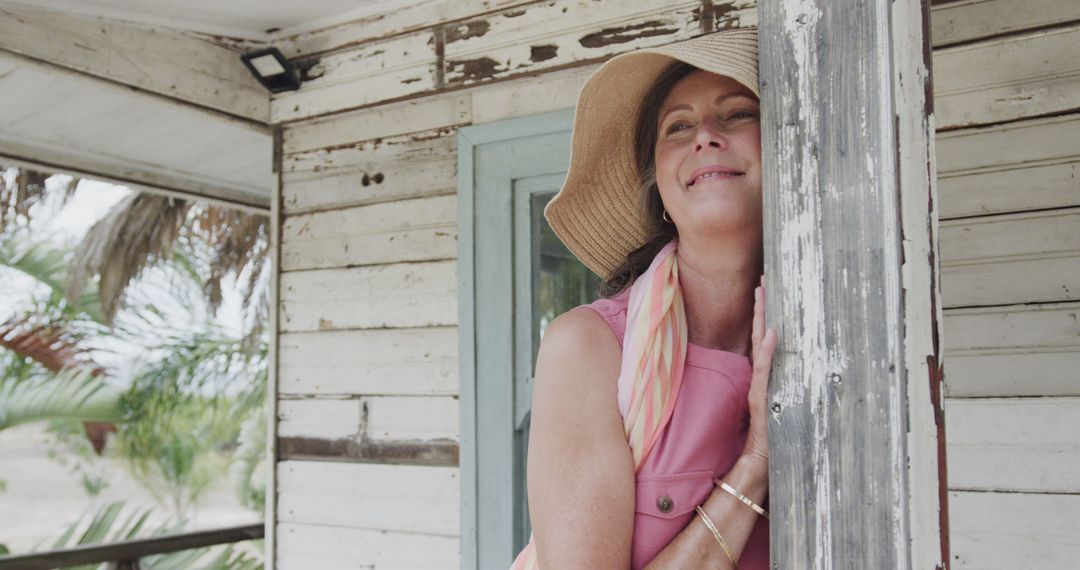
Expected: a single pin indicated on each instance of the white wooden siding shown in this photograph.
(1008, 531)
(1032, 74)
(424, 229)
(365, 173)
(402, 362)
(516, 41)
(397, 295)
(999, 455)
(1006, 93)
(1024, 165)
(327, 546)
(368, 349)
(1011, 258)
(966, 20)
(396, 498)
(376, 417)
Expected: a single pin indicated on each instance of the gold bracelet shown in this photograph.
(719, 538)
(742, 498)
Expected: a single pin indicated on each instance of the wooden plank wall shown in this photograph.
(1007, 95)
(368, 376)
(368, 410)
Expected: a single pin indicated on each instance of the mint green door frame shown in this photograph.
(500, 166)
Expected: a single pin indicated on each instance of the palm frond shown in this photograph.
(50, 344)
(240, 244)
(47, 263)
(109, 522)
(27, 190)
(139, 231)
(76, 393)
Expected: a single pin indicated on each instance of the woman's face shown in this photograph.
(708, 155)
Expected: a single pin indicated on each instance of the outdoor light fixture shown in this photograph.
(271, 68)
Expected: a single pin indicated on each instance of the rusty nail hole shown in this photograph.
(378, 178)
(366, 180)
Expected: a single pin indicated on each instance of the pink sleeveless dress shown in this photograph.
(703, 439)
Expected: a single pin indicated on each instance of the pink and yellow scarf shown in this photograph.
(654, 354)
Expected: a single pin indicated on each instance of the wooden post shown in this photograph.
(856, 433)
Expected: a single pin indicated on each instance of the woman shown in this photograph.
(663, 200)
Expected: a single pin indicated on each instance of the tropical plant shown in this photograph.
(51, 374)
(196, 388)
(21, 189)
(110, 523)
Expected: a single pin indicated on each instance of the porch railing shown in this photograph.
(125, 555)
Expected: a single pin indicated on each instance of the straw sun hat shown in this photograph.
(598, 213)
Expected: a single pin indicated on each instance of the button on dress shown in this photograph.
(704, 438)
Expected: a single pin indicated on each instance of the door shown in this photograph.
(515, 278)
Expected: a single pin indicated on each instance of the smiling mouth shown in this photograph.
(715, 175)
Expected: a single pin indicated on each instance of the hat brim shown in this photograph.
(598, 213)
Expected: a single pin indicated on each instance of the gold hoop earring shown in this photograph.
(666, 217)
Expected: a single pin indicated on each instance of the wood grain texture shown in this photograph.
(156, 60)
(1012, 258)
(386, 69)
(418, 115)
(377, 362)
(1033, 142)
(968, 20)
(529, 95)
(1018, 350)
(519, 41)
(396, 498)
(406, 230)
(840, 388)
(392, 418)
(68, 121)
(1032, 74)
(1027, 165)
(379, 296)
(1006, 531)
(323, 546)
(1014, 444)
(409, 19)
(367, 172)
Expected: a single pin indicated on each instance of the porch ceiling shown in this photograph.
(256, 20)
(69, 122)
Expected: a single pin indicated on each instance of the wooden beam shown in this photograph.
(155, 60)
(66, 121)
(134, 549)
(857, 472)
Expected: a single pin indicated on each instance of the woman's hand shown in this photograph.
(763, 342)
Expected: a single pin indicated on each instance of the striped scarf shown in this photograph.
(653, 357)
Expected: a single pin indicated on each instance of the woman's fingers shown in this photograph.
(763, 362)
(757, 328)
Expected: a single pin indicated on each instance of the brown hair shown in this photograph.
(658, 232)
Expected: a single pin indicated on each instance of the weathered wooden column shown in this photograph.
(856, 434)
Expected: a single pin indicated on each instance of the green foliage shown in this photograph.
(195, 394)
(183, 411)
(74, 393)
(249, 456)
(71, 449)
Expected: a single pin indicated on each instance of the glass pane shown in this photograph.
(560, 281)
